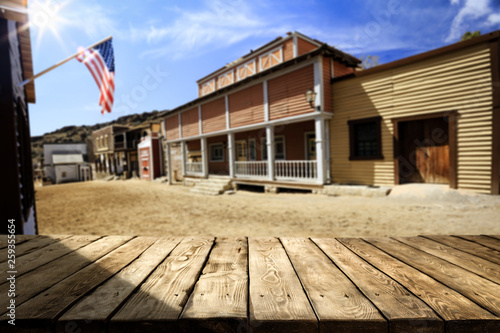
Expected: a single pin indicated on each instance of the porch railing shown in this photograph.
(194, 167)
(296, 169)
(252, 169)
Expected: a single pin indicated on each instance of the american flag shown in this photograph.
(100, 61)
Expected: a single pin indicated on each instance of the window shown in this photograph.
(217, 152)
(279, 148)
(252, 150)
(365, 141)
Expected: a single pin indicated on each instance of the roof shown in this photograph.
(16, 10)
(426, 55)
(325, 50)
(67, 158)
(341, 56)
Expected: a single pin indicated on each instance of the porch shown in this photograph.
(289, 152)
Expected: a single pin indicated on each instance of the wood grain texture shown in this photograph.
(490, 242)
(19, 239)
(469, 247)
(34, 244)
(103, 302)
(460, 313)
(472, 263)
(277, 300)
(41, 310)
(42, 278)
(339, 305)
(157, 304)
(48, 253)
(220, 297)
(404, 311)
(482, 291)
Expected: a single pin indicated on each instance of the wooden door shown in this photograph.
(241, 150)
(424, 151)
(311, 146)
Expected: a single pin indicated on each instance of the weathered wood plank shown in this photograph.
(41, 278)
(470, 262)
(405, 312)
(277, 300)
(19, 239)
(492, 243)
(34, 244)
(469, 247)
(220, 297)
(40, 311)
(103, 302)
(48, 253)
(494, 236)
(158, 303)
(482, 291)
(460, 313)
(338, 303)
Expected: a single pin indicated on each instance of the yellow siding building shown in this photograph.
(433, 118)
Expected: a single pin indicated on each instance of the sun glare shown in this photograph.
(45, 16)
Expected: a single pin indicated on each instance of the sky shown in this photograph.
(163, 47)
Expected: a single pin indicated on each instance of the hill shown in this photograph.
(83, 133)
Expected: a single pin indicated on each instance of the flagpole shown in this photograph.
(25, 82)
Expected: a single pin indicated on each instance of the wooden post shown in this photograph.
(231, 150)
(204, 157)
(320, 151)
(270, 152)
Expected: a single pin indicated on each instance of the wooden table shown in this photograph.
(198, 284)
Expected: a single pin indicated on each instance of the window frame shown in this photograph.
(263, 142)
(211, 146)
(353, 141)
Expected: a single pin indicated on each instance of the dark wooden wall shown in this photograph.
(17, 199)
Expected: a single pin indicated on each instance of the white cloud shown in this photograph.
(455, 2)
(493, 19)
(221, 23)
(471, 10)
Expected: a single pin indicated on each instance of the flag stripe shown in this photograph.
(100, 63)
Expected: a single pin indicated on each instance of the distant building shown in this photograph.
(115, 149)
(66, 162)
(103, 139)
(17, 195)
(151, 154)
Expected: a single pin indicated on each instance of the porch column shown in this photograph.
(231, 150)
(183, 154)
(327, 152)
(270, 152)
(204, 157)
(320, 149)
(169, 164)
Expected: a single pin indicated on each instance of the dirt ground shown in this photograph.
(136, 207)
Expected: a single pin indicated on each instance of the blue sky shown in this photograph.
(163, 47)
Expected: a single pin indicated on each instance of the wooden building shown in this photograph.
(430, 118)
(252, 121)
(150, 152)
(17, 196)
(66, 162)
